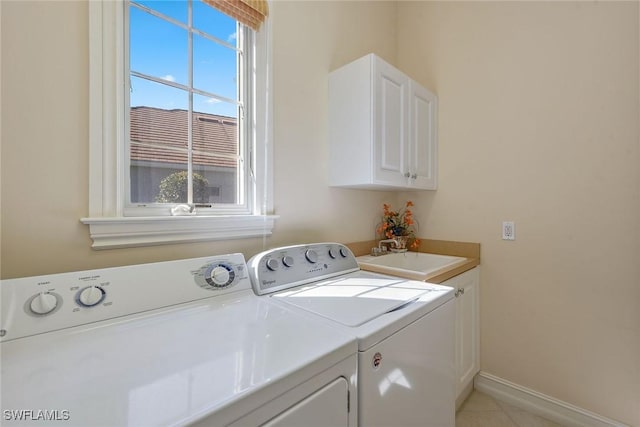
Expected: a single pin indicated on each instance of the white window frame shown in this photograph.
(109, 227)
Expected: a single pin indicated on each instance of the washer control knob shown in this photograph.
(91, 296)
(332, 253)
(273, 264)
(43, 303)
(287, 261)
(344, 252)
(311, 256)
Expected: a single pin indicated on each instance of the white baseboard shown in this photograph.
(537, 403)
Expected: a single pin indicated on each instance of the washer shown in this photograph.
(405, 329)
(173, 343)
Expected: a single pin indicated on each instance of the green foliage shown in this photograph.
(173, 188)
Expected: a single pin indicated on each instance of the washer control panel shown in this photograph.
(33, 305)
(291, 266)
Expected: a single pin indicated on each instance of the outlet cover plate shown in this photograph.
(508, 230)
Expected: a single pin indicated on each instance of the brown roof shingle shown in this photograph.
(162, 135)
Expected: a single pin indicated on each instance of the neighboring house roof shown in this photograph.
(163, 134)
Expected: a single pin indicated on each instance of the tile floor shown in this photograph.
(482, 410)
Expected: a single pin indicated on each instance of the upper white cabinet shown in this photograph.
(423, 137)
(382, 128)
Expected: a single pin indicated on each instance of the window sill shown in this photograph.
(125, 232)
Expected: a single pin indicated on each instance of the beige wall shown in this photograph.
(45, 132)
(539, 116)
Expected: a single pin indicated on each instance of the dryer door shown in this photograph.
(325, 407)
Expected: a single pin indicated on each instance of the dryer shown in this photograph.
(174, 343)
(405, 329)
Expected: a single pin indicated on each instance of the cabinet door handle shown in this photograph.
(459, 291)
(407, 175)
(414, 176)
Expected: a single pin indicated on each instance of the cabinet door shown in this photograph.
(467, 327)
(423, 155)
(391, 124)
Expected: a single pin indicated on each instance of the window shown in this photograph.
(178, 108)
(187, 76)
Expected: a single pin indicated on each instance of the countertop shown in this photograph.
(468, 250)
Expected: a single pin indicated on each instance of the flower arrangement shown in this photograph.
(398, 224)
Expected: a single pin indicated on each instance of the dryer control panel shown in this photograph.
(291, 266)
(34, 305)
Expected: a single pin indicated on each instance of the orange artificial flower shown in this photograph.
(398, 224)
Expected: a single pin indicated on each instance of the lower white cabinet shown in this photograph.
(467, 359)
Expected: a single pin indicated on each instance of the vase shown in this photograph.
(401, 243)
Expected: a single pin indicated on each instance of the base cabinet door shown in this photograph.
(467, 326)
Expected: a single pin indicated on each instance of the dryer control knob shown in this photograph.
(43, 303)
(344, 252)
(332, 253)
(311, 256)
(93, 295)
(220, 276)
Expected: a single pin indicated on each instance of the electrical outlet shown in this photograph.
(508, 230)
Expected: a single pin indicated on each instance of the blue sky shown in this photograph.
(159, 48)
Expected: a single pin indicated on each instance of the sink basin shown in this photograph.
(415, 265)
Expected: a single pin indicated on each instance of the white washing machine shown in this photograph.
(167, 344)
(405, 329)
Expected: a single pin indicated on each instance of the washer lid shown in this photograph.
(355, 299)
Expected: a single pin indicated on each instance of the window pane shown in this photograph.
(215, 145)
(151, 94)
(157, 48)
(215, 134)
(158, 134)
(215, 179)
(214, 68)
(176, 9)
(158, 182)
(208, 105)
(217, 24)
